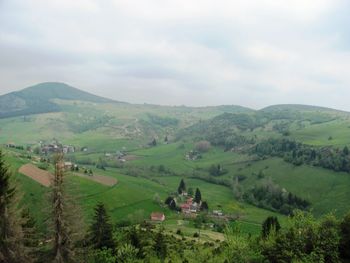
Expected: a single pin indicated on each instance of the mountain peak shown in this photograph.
(39, 99)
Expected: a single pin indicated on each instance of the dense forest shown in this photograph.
(296, 153)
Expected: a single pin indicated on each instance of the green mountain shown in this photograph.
(256, 159)
(39, 99)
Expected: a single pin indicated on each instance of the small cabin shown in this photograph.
(157, 216)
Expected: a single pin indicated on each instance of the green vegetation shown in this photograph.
(245, 168)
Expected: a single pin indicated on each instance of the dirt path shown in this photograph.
(42, 177)
(105, 180)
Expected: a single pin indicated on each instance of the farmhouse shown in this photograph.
(157, 216)
(189, 206)
(68, 166)
(185, 208)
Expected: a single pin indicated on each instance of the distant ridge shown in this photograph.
(38, 99)
(300, 107)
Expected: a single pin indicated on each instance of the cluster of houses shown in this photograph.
(190, 207)
(193, 155)
(56, 148)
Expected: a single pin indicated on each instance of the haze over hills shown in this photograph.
(40, 99)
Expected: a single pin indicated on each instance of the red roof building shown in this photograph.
(157, 216)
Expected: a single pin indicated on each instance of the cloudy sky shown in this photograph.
(194, 52)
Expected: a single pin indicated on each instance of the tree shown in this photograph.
(198, 196)
(270, 224)
(182, 187)
(101, 230)
(346, 150)
(12, 248)
(153, 142)
(345, 237)
(170, 201)
(204, 206)
(305, 240)
(160, 246)
(62, 244)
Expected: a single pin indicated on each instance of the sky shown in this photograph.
(252, 53)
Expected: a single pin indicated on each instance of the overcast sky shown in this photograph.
(194, 52)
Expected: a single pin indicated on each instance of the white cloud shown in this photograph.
(254, 53)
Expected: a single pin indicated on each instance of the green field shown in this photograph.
(110, 128)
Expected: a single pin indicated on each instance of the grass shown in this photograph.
(132, 198)
(318, 134)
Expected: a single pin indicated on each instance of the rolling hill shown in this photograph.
(39, 99)
(105, 128)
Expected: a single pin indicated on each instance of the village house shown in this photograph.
(68, 165)
(157, 216)
(185, 208)
(189, 206)
(68, 149)
(50, 148)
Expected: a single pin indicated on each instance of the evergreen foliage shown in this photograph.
(12, 235)
(182, 187)
(271, 224)
(101, 230)
(197, 196)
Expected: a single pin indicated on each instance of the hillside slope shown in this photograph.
(38, 99)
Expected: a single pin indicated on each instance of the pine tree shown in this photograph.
(182, 187)
(101, 231)
(62, 244)
(346, 150)
(198, 196)
(12, 248)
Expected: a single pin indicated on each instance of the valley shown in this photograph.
(144, 147)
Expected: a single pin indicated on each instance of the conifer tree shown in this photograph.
(182, 187)
(62, 244)
(101, 231)
(12, 248)
(198, 196)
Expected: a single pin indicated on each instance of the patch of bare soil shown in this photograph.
(42, 177)
(105, 180)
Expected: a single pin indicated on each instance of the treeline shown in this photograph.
(272, 197)
(224, 129)
(162, 121)
(296, 153)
